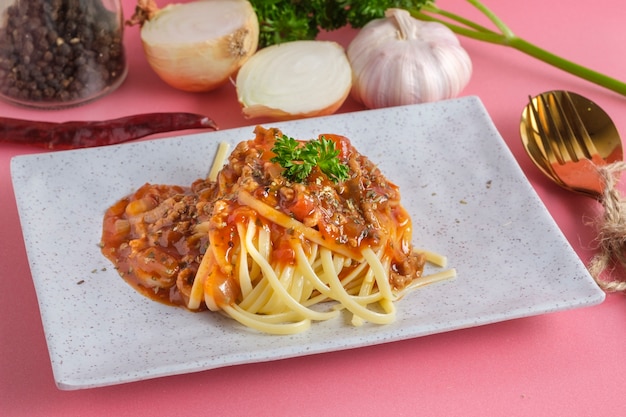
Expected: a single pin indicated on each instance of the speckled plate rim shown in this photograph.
(467, 195)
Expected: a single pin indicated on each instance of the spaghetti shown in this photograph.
(267, 251)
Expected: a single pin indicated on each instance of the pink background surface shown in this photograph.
(569, 363)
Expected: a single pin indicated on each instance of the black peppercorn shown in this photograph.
(59, 51)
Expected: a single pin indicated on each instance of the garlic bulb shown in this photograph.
(197, 46)
(400, 60)
(294, 80)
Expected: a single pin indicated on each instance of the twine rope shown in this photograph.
(611, 231)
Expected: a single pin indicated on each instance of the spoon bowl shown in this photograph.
(568, 137)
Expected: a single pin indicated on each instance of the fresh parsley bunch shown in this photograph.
(291, 20)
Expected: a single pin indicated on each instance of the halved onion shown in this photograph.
(197, 46)
(294, 80)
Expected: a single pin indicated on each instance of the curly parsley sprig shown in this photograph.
(299, 158)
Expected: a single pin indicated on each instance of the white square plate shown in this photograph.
(466, 193)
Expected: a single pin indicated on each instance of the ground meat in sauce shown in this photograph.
(156, 237)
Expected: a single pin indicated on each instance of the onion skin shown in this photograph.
(294, 80)
(198, 46)
(258, 110)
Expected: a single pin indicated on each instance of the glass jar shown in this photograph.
(60, 53)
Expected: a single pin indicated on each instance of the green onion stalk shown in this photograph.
(506, 37)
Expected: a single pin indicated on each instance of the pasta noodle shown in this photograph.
(273, 254)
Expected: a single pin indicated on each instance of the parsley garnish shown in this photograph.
(299, 158)
(289, 20)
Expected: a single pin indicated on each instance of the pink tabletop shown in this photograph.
(569, 363)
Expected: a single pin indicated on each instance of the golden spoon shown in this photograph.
(568, 136)
(576, 144)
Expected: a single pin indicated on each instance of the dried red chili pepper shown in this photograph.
(86, 134)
